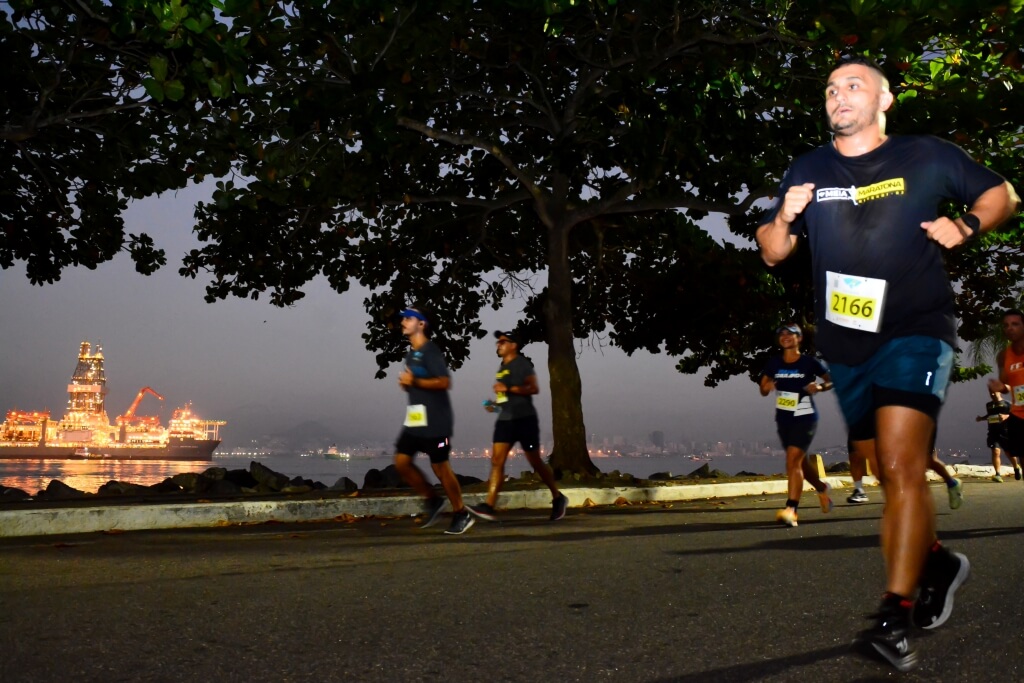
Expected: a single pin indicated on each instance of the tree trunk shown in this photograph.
(570, 434)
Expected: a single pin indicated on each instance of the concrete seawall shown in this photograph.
(75, 519)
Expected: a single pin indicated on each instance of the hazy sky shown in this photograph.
(261, 367)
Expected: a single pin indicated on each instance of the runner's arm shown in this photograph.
(527, 388)
(775, 241)
(432, 383)
(774, 238)
(823, 386)
(992, 209)
(995, 206)
(1000, 384)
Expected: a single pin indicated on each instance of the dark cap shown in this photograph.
(791, 327)
(413, 313)
(511, 336)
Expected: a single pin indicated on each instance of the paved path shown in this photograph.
(685, 591)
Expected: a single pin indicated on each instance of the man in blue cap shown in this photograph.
(428, 423)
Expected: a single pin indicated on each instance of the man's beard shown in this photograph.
(852, 125)
(847, 128)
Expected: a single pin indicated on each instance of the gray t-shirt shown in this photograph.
(427, 362)
(514, 374)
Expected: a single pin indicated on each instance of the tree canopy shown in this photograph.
(457, 153)
(102, 103)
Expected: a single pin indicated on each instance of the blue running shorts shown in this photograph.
(906, 371)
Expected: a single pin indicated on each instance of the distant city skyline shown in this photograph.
(266, 369)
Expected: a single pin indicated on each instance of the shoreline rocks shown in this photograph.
(259, 479)
(219, 481)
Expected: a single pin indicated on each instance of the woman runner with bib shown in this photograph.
(793, 378)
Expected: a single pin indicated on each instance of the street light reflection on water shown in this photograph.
(33, 476)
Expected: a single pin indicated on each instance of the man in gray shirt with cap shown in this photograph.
(514, 387)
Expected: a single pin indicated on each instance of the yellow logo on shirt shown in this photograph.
(859, 195)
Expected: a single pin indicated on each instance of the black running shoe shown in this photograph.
(484, 512)
(461, 522)
(944, 572)
(558, 507)
(887, 639)
(432, 511)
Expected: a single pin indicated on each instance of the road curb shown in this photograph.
(77, 520)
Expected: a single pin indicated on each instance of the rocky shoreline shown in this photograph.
(259, 479)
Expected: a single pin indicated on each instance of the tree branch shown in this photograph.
(501, 202)
(86, 9)
(391, 39)
(476, 143)
(620, 204)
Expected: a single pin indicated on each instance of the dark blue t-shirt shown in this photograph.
(865, 221)
(791, 401)
(427, 362)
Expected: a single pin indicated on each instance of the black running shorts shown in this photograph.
(437, 448)
(525, 430)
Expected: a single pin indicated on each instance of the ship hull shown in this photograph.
(187, 450)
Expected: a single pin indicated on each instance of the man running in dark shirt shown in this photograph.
(514, 388)
(428, 423)
(868, 206)
(996, 412)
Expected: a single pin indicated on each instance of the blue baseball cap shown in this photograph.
(413, 313)
(791, 327)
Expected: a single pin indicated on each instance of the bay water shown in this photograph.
(88, 475)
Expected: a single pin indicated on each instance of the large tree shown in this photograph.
(102, 103)
(457, 152)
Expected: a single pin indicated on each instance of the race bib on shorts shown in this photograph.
(416, 416)
(787, 400)
(853, 301)
(994, 419)
(1018, 395)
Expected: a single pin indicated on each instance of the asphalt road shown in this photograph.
(703, 591)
